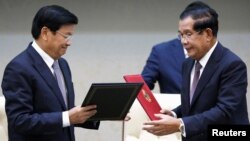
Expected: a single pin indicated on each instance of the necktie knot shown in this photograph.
(198, 66)
(55, 65)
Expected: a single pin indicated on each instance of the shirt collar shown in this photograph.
(47, 59)
(203, 61)
(185, 53)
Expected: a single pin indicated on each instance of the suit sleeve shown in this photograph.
(150, 71)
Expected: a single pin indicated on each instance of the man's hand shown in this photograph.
(80, 114)
(166, 112)
(166, 125)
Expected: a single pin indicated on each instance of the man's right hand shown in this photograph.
(80, 114)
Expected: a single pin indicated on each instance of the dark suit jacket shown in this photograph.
(164, 65)
(220, 96)
(34, 103)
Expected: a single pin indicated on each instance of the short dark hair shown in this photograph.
(204, 16)
(53, 17)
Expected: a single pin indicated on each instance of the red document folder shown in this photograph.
(145, 96)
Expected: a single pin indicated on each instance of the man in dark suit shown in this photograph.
(214, 83)
(164, 66)
(38, 107)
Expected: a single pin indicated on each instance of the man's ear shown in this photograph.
(45, 33)
(209, 34)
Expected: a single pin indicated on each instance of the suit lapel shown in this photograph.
(187, 68)
(209, 69)
(46, 74)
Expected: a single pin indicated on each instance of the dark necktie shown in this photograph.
(60, 80)
(195, 79)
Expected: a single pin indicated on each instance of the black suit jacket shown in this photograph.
(34, 103)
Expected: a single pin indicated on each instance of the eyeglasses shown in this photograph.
(188, 35)
(67, 37)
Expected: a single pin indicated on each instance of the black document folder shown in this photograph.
(113, 100)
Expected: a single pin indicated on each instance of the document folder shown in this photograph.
(113, 100)
(145, 96)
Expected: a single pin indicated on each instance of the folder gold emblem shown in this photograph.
(146, 95)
